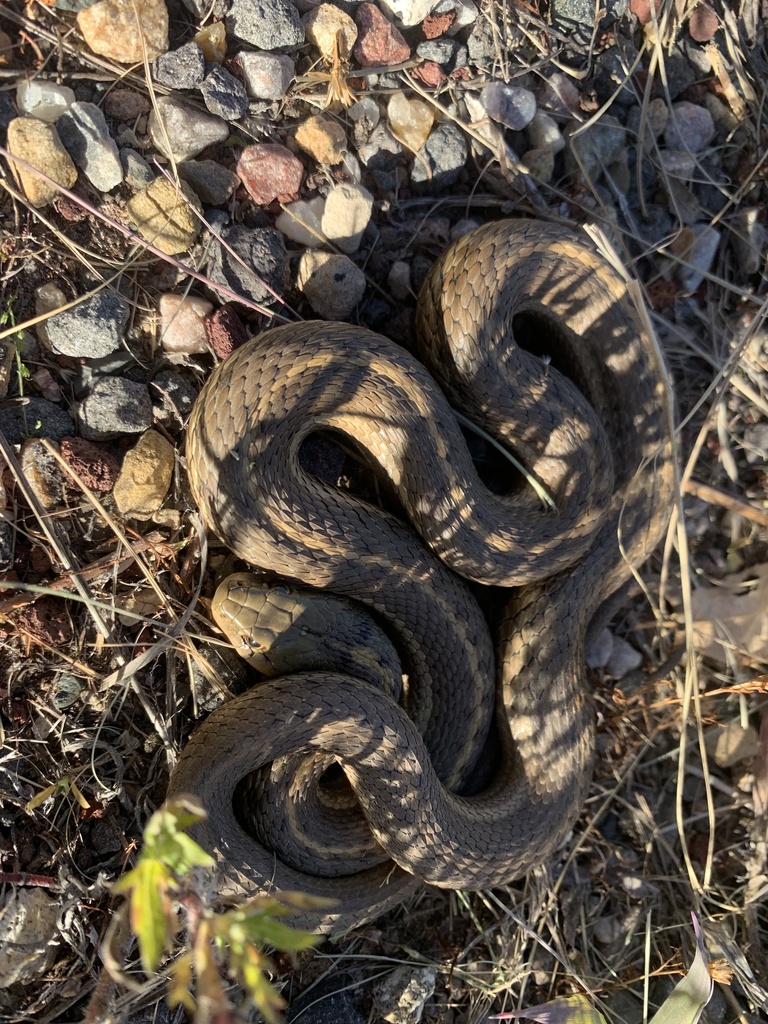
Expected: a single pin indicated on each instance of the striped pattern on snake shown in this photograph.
(531, 334)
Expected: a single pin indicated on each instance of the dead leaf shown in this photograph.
(733, 616)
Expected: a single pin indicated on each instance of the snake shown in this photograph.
(474, 771)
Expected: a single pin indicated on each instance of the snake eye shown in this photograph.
(249, 642)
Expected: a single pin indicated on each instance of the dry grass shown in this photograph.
(666, 831)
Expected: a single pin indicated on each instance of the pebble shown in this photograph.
(624, 658)
(43, 99)
(96, 468)
(163, 214)
(365, 114)
(323, 138)
(755, 443)
(212, 183)
(399, 280)
(657, 115)
(90, 330)
(677, 163)
(136, 171)
(223, 94)
(145, 476)
(262, 249)
(173, 398)
(182, 323)
(124, 30)
(226, 331)
(326, 26)
(48, 621)
(41, 471)
(266, 75)
(301, 221)
(114, 407)
(382, 149)
(481, 45)
(34, 417)
(540, 164)
(690, 127)
(30, 930)
(442, 158)
(408, 12)
(379, 43)
(410, 120)
(331, 284)
(39, 144)
(269, 170)
(559, 95)
(699, 257)
(347, 212)
(750, 239)
(431, 74)
(268, 25)
(596, 147)
(464, 12)
(84, 132)
(599, 650)
(189, 131)
(48, 298)
(401, 996)
(125, 104)
(212, 40)
(448, 53)
(732, 744)
(543, 132)
(180, 69)
(509, 105)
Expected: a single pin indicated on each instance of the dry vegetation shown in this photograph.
(95, 675)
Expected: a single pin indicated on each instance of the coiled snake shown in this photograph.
(582, 401)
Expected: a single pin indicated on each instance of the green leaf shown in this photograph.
(151, 911)
(569, 1010)
(686, 1002)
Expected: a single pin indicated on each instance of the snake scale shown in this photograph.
(530, 333)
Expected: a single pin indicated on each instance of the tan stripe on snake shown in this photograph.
(600, 444)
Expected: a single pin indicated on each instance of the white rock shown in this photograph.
(400, 998)
(367, 108)
(266, 75)
(408, 12)
(699, 257)
(543, 133)
(30, 935)
(510, 105)
(301, 221)
(332, 284)
(182, 323)
(348, 210)
(399, 280)
(623, 660)
(599, 650)
(43, 99)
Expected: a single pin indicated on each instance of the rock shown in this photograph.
(212, 40)
(145, 476)
(448, 53)
(624, 659)
(540, 164)
(124, 30)
(212, 183)
(410, 120)
(464, 13)
(381, 150)
(223, 95)
(96, 468)
(163, 216)
(600, 648)
(48, 298)
(332, 284)
(173, 398)
(34, 417)
(399, 280)
(180, 69)
(431, 74)
(125, 104)
(90, 330)
(509, 105)
(29, 925)
(481, 45)
(690, 127)
(268, 171)
(734, 744)
(189, 131)
(408, 12)
(84, 132)
(365, 114)
(750, 239)
(323, 138)
(596, 148)
(262, 249)
(38, 143)
(182, 323)
(677, 163)
(379, 43)
(699, 256)
(226, 331)
(267, 75)
(401, 996)
(41, 471)
(657, 115)
(114, 407)
(326, 26)
(301, 221)
(543, 132)
(442, 158)
(136, 171)
(347, 212)
(43, 99)
(266, 24)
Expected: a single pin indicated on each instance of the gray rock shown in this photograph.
(31, 937)
(750, 240)
(267, 75)
(260, 248)
(448, 53)
(401, 996)
(223, 95)
(266, 24)
(441, 159)
(381, 150)
(189, 131)
(700, 257)
(596, 147)
(690, 127)
(680, 73)
(756, 443)
(173, 398)
(480, 44)
(180, 69)
(34, 417)
(90, 330)
(543, 132)
(115, 407)
(212, 183)
(510, 105)
(84, 132)
(136, 171)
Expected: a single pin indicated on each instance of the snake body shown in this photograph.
(585, 406)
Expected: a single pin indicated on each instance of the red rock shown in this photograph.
(379, 43)
(430, 73)
(703, 23)
(125, 104)
(269, 170)
(435, 25)
(47, 620)
(642, 9)
(95, 467)
(226, 331)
